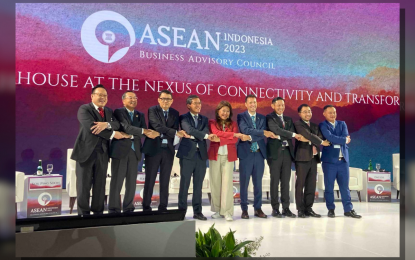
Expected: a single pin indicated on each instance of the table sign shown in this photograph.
(43, 196)
(379, 186)
(139, 191)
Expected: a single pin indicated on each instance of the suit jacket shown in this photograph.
(226, 138)
(86, 141)
(121, 147)
(303, 150)
(157, 122)
(274, 124)
(187, 146)
(257, 134)
(336, 136)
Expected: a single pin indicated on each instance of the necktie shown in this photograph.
(165, 115)
(282, 120)
(101, 112)
(132, 119)
(254, 146)
(195, 117)
(314, 148)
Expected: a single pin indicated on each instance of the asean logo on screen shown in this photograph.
(94, 47)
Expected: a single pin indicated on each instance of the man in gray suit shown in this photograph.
(126, 153)
(91, 151)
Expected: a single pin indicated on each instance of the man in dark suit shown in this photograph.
(126, 153)
(193, 155)
(159, 152)
(251, 154)
(91, 151)
(280, 155)
(307, 156)
(335, 161)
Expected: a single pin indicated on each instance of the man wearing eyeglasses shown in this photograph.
(91, 151)
(126, 154)
(159, 152)
(307, 156)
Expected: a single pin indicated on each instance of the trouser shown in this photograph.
(305, 184)
(197, 168)
(339, 171)
(252, 165)
(125, 168)
(221, 185)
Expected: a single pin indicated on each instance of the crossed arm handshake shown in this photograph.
(100, 126)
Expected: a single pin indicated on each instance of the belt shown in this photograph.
(257, 151)
(197, 150)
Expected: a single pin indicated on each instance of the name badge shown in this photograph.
(337, 146)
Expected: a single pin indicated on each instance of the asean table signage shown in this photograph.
(379, 186)
(139, 191)
(43, 196)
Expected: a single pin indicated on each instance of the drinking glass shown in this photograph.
(50, 168)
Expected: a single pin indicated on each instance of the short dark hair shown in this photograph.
(98, 86)
(301, 107)
(165, 91)
(276, 99)
(190, 99)
(327, 106)
(250, 96)
(125, 93)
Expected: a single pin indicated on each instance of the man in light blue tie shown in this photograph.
(126, 153)
(251, 154)
(335, 161)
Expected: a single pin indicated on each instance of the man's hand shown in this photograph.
(151, 133)
(268, 133)
(126, 135)
(298, 137)
(181, 133)
(211, 137)
(348, 139)
(325, 143)
(245, 138)
(237, 135)
(99, 127)
(216, 139)
(118, 135)
(274, 136)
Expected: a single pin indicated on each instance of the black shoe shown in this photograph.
(98, 213)
(287, 212)
(259, 213)
(128, 211)
(331, 213)
(352, 214)
(199, 216)
(276, 213)
(111, 211)
(147, 209)
(311, 213)
(84, 213)
(245, 214)
(162, 209)
(301, 214)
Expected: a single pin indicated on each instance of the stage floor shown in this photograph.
(375, 235)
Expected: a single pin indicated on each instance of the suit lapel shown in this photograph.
(192, 121)
(306, 125)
